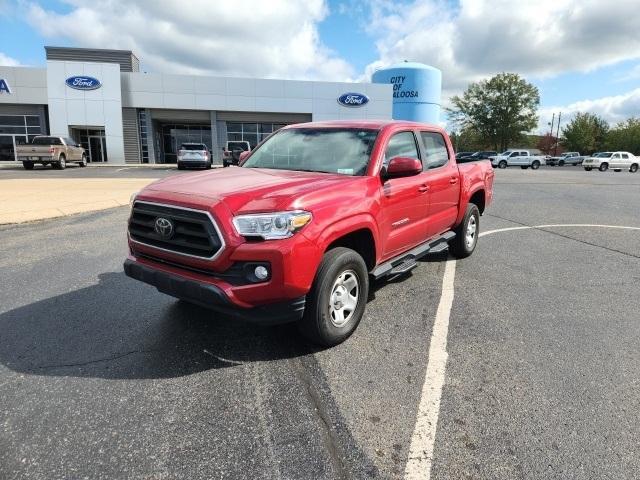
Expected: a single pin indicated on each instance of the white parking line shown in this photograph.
(556, 225)
(424, 435)
(420, 458)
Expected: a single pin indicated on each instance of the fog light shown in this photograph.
(261, 272)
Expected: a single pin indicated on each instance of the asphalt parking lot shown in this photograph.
(103, 377)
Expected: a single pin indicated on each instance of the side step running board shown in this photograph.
(409, 260)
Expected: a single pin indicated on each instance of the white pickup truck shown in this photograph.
(614, 160)
(521, 158)
(567, 158)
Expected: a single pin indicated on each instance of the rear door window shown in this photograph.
(436, 153)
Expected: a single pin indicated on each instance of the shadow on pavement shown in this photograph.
(120, 329)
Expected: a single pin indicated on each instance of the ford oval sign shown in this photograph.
(353, 100)
(83, 83)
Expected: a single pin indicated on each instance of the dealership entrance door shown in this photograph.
(97, 149)
(93, 141)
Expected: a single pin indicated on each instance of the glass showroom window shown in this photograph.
(17, 130)
(175, 135)
(253, 133)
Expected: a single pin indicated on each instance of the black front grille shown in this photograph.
(193, 231)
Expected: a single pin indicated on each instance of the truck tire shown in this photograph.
(535, 165)
(633, 168)
(337, 299)
(604, 167)
(524, 167)
(502, 164)
(62, 163)
(83, 162)
(587, 169)
(561, 163)
(467, 232)
(27, 165)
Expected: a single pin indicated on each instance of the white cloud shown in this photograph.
(614, 109)
(274, 39)
(7, 61)
(536, 38)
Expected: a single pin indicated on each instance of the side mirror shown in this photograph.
(243, 156)
(402, 167)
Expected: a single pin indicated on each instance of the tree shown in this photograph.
(546, 144)
(467, 140)
(500, 109)
(585, 133)
(625, 136)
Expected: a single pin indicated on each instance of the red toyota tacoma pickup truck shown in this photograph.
(296, 232)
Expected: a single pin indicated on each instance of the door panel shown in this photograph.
(444, 194)
(404, 201)
(405, 214)
(442, 178)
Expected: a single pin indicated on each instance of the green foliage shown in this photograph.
(468, 140)
(585, 133)
(625, 136)
(500, 109)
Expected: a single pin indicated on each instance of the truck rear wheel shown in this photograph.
(62, 163)
(535, 165)
(27, 165)
(467, 233)
(337, 299)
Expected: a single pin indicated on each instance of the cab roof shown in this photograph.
(366, 124)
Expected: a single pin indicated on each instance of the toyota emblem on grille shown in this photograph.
(164, 227)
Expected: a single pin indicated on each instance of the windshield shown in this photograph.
(192, 146)
(330, 150)
(603, 154)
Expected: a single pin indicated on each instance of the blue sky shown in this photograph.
(581, 54)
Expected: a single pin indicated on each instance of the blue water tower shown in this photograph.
(416, 90)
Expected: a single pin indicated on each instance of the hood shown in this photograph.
(249, 190)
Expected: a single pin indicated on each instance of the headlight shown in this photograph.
(271, 226)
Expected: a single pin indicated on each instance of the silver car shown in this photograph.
(194, 155)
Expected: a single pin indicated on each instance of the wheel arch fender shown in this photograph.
(346, 228)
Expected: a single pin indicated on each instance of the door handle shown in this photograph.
(453, 180)
(423, 188)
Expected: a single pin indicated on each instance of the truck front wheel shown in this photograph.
(337, 299)
(467, 233)
(27, 165)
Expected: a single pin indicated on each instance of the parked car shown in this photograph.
(615, 160)
(231, 152)
(318, 210)
(567, 158)
(55, 151)
(460, 155)
(522, 158)
(192, 155)
(483, 155)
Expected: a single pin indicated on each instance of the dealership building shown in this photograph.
(121, 115)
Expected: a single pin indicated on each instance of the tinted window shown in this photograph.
(193, 146)
(46, 141)
(70, 141)
(624, 155)
(435, 148)
(402, 144)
